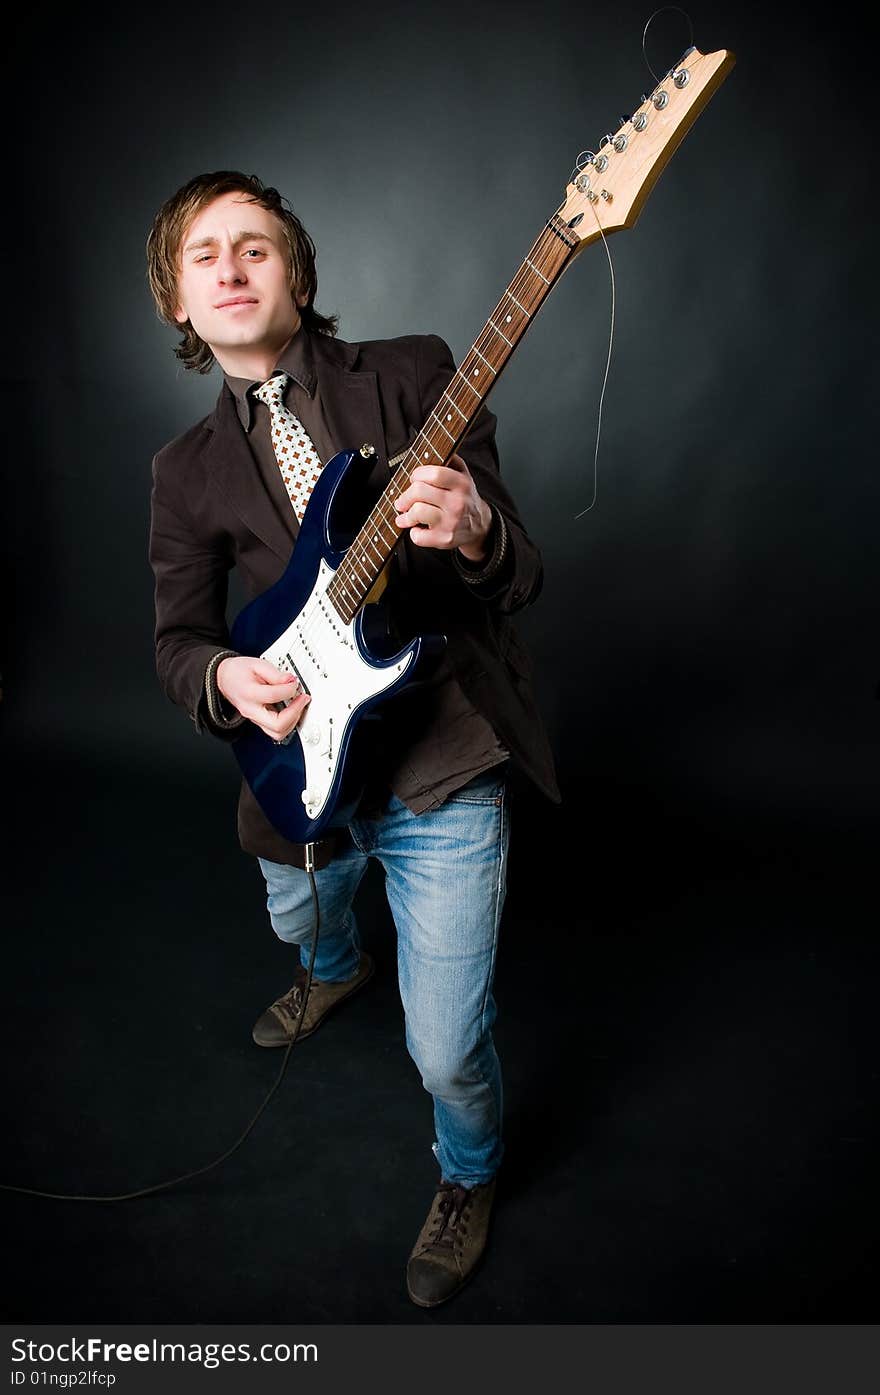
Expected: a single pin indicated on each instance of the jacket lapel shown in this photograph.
(350, 402)
(235, 474)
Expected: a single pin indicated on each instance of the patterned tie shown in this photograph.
(298, 461)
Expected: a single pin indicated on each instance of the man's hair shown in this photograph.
(166, 239)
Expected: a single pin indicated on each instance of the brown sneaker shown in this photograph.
(450, 1243)
(278, 1022)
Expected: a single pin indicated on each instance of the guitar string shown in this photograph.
(454, 389)
(541, 257)
(379, 519)
(490, 328)
(592, 502)
(662, 10)
(519, 283)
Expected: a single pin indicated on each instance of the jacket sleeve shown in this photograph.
(191, 587)
(512, 574)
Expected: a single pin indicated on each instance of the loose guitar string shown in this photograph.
(662, 10)
(490, 327)
(607, 367)
(540, 259)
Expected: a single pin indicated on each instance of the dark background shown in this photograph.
(687, 981)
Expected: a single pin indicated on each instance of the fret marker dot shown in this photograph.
(449, 416)
(476, 371)
(507, 318)
(425, 456)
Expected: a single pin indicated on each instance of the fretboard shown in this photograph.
(453, 415)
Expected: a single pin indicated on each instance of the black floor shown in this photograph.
(687, 1007)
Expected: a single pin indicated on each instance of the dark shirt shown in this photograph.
(440, 740)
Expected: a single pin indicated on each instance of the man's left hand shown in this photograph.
(441, 508)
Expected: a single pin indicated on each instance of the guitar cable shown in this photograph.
(200, 1171)
(310, 847)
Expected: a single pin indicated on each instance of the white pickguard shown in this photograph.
(322, 650)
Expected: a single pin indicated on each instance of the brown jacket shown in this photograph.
(211, 512)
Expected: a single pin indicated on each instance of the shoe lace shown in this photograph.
(449, 1221)
(291, 1002)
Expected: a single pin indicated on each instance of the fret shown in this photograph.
(373, 525)
(516, 324)
(483, 357)
(500, 352)
(517, 304)
(426, 454)
(443, 428)
(476, 394)
(354, 566)
(454, 405)
(371, 544)
(530, 263)
(492, 325)
(358, 555)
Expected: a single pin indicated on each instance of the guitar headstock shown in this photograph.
(613, 186)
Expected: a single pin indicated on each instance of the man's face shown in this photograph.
(234, 282)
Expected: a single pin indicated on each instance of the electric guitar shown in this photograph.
(311, 622)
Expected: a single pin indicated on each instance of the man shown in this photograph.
(234, 269)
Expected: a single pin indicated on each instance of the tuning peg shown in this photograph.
(624, 119)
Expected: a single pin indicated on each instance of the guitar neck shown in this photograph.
(454, 414)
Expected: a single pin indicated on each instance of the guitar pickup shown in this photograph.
(280, 706)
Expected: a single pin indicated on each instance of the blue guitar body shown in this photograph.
(308, 785)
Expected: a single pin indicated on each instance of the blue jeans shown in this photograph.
(445, 878)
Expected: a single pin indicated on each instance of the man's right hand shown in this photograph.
(254, 686)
